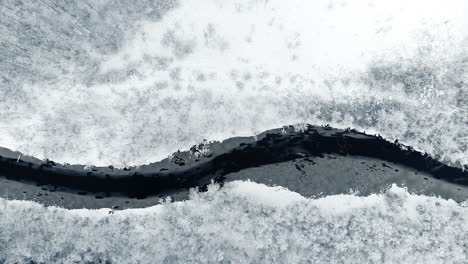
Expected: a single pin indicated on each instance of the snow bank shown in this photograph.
(243, 222)
(135, 81)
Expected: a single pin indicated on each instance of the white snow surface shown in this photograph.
(127, 83)
(243, 222)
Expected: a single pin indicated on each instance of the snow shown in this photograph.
(133, 82)
(243, 222)
(128, 83)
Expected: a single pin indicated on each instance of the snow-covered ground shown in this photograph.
(112, 82)
(130, 82)
(243, 222)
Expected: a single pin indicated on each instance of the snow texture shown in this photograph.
(243, 222)
(128, 83)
